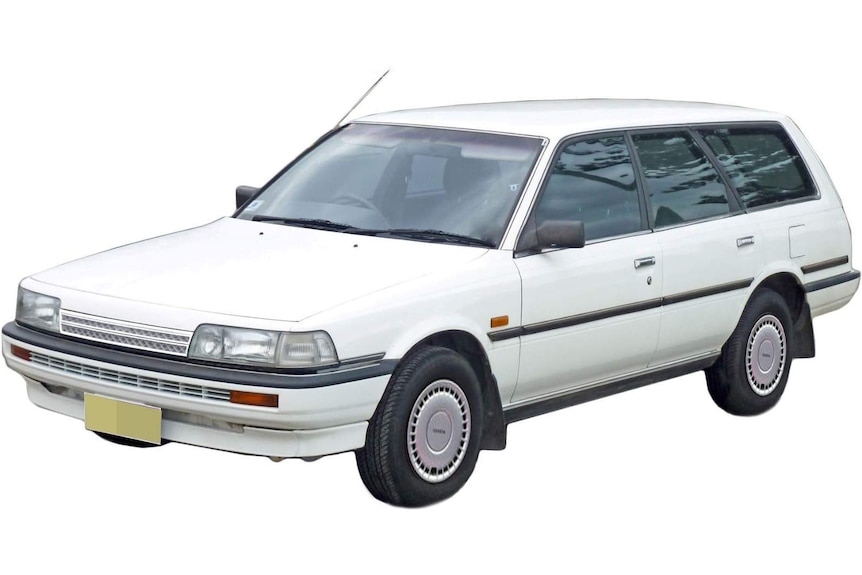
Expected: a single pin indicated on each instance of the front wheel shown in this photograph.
(752, 372)
(423, 441)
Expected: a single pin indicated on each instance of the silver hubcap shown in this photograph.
(438, 431)
(765, 355)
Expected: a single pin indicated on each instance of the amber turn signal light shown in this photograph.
(500, 321)
(21, 353)
(258, 399)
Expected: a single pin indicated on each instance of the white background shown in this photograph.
(119, 123)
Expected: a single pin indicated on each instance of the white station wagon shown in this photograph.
(417, 280)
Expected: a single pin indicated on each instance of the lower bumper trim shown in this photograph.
(833, 281)
(247, 439)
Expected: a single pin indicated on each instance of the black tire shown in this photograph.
(392, 464)
(766, 328)
(128, 442)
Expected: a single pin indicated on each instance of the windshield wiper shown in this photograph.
(427, 235)
(305, 223)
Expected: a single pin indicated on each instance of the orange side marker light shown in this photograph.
(21, 353)
(251, 398)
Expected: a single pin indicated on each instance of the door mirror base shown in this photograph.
(244, 194)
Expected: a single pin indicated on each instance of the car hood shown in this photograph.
(255, 269)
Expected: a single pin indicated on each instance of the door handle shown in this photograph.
(641, 262)
(746, 241)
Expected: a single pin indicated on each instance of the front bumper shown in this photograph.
(316, 415)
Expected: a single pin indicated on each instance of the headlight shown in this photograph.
(260, 347)
(37, 310)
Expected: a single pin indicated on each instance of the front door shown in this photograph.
(589, 314)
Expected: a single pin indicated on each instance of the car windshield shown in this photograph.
(425, 184)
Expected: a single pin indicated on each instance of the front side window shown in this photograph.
(424, 184)
(762, 163)
(681, 183)
(593, 181)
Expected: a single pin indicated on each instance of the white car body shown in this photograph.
(379, 297)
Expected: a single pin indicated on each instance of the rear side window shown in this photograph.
(593, 182)
(763, 164)
(681, 182)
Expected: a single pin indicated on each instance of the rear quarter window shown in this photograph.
(762, 163)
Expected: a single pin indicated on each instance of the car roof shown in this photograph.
(558, 118)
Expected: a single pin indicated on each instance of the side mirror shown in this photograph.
(244, 194)
(561, 234)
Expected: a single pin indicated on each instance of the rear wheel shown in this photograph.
(423, 440)
(752, 372)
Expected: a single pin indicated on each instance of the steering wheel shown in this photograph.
(353, 199)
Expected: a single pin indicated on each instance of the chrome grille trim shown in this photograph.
(125, 341)
(125, 334)
(142, 382)
(108, 327)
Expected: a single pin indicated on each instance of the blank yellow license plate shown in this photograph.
(124, 419)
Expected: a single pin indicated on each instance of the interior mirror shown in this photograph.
(561, 234)
(244, 194)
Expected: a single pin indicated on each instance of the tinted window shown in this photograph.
(762, 163)
(593, 181)
(681, 182)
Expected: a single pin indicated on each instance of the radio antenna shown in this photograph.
(359, 101)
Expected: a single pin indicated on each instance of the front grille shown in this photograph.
(123, 378)
(125, 334)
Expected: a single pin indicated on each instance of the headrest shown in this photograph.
(464, 175)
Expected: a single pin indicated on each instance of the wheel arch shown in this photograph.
(468, 346)
(790, 288)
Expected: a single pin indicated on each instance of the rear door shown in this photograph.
(591, 313)
(711, 249)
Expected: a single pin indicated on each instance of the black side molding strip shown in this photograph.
(705, 292)
(584, 395)
(833, 281)
(569, 321)
(506, 334)
(825, 265)
(591, 316)
(179, 367)
(574, 320)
